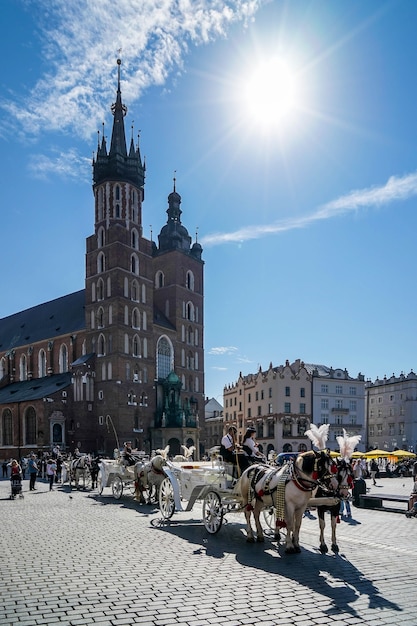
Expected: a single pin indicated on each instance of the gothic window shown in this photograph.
(143, 293)
(7, 428)
(135, 239)
(159, 279)
(190, 280)
(101, 345)
(100, 212)
(42, 363)
(196, 385)
(165, 357)
(135, 318)
(135, 291)
(100, 318)
(30, 426)
(101, 265)
(23, 367)
(100, 289)
(190, 311)
(136, 346)
(144, 321)
(2, 368)
(101, 237)
(117, 192)
(63, 359)
(134, 262)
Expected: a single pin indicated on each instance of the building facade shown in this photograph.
(391, 409)
(283, 401)
(122, 359)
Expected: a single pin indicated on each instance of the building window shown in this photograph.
(7, 428)
(287, 391)
(352, 391)
(190, 280)
(270, 392)
(23, 367)
(325, 389)
(159, 279)
(63, 359)
(352, 405)
(30, 426)
(287, 407)
(42, 363)
(302, 408)
(339, 390)
(249, 413)
(270, 408)
(302, 392)
(165, 358)
(339, 404)
(271, 428)
(249, 397)
(259, 411)
(324, 403)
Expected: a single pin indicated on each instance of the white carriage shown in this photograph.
(117, 475)
(210, 483)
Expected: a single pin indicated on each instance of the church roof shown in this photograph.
(34, 389)
(44, 321)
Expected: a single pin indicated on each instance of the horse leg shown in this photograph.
(249, 532)
(290, 522)
(335, 547)
(298, 517)
(256, 515)
(323, 547)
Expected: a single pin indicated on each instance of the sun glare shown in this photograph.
(269, 93)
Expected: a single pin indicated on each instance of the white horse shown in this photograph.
(148, 477)
(80, 468)
(288, 490)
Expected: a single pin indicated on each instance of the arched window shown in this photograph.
(117, 192)
(100, 289)
(42, 363)
(190, 311)
(136, 346)
(135, 239)
(23, 367)
(100, 202)
(159, 279)
(135, 318)
(100, 318)
(7, 428)
(165, 357)
(134, 264)
(190, 280)
(63, 359)
(30, 426)
(2, 368)
(135, 291)
(101, 345)
(101, 237)
(101, 263)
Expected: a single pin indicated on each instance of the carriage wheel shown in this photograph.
(100, 484)
(166, 499)
(212, 512)
(270, 517)
(117, 487)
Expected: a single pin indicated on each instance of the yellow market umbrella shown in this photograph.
(376, 454)
(334, 454)
(357, 455)
(402, 453)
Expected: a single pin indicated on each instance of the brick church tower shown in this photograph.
(142, 370)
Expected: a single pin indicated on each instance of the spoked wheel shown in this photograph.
(270, 517)
(100, 483)
(117, 487)
(212, 512)
(166, 499)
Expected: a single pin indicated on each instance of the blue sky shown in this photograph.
(304, 200)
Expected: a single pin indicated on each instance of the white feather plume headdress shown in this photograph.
(318, 435)
(347, 445)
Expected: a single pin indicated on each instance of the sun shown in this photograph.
(270, 93)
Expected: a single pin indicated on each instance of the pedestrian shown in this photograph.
(24, 467)
(50, 472)
(33, 471)
(374, 470)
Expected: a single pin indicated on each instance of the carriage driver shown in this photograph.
(127, 453)
(228, 449)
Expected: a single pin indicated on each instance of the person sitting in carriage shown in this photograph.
(127, 453)
(229, 450)
(251, 448)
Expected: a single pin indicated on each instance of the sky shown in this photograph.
(291, 130)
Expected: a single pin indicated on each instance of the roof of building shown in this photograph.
(44, 321)
(34, 389)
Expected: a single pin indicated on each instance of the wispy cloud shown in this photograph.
(80, 42)
(221, 350)
(69, 165)
(397, 188)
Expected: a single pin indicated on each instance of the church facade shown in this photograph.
(122, 359)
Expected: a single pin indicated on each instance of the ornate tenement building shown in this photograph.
(391, 408)
(283, 401)
(122, 359)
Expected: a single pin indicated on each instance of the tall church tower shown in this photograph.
(144, 309)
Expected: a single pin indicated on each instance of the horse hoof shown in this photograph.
(297, 549)
(250, 540)
(289, 550)
(260, 540)
(335, 548)
(323, 548)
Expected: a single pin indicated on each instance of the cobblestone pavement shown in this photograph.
(74, 558)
